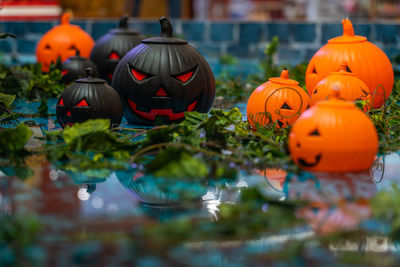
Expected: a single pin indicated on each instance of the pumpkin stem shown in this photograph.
(65, 18)
(285, 73)
(123, 22)
(89, 72)
(348, 29)
(166, 28)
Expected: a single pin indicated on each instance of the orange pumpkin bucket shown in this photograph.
(279, 100)
(364, 59)
(63, 41)
(351, 87)
(333, 136)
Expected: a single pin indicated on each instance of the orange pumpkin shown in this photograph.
(333, 136)
(363, 58)
(279, 100)
(63, 41)
(351, 87)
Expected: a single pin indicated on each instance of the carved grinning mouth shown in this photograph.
(304, 163)
(65, 121)
(155, 112)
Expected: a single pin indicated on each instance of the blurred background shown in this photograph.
(216, 28)
(251, 10)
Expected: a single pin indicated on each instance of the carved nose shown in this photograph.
(69, 113)
(161, 92)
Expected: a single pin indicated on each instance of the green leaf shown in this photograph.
(7, 99)
(14, 140)
(43, 109)
(89, 127)
(177, 163)
(194, 117)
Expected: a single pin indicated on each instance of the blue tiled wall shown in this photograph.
(247, 40)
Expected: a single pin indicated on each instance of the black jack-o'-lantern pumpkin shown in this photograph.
(111, 47)
(89, 98)
(162, 78)
(75, 67)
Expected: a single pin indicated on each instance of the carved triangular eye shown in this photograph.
(47, 47)
(286, 106)
(185, 77)
(138, 75)
(348, 69)
(82, 103)
(61, 103)
(315, 133)
(280, 123)
(314, 70)
(315, 91)
(114, 55)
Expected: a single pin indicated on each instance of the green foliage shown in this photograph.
(86, 146)
(387, 121)
(230, 88)
(29, 82)
(228, 60)
(12, 141)
(43, 109)
(13, 153)
(19, 231)
(7, 100)
(6, 113)
(386, 207)
(253, 216)
(183, 165)
(219, 139)
(270, 69)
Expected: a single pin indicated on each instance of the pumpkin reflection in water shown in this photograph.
(158, 191)
(363, 58)
(279, 100)
(63, 41)
(333, 136)
(338, 201)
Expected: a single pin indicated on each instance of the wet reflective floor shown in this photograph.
(89, 219)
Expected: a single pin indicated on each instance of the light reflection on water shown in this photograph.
(73, 202)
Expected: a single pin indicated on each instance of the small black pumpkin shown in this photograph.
(89, 98)
(162, 78)
(111, 47)
(75, 67)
